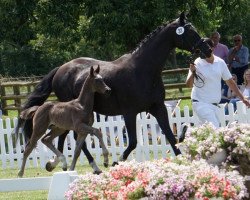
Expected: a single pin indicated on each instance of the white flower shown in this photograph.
(212, 149)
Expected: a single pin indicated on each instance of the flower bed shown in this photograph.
(173, 179)
(206, 140)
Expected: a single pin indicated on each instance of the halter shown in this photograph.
(184, 38)
(199, 77)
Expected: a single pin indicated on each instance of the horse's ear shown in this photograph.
(91, 71)
(182, 18)
(97, 69)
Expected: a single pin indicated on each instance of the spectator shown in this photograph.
(220, 50)
(245, 88)
(246, 84)
(205, 79)
(227, 93)
(238, 58)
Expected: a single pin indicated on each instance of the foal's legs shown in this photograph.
(36, 135)
(159, 111)
(83, 130)
(92, 163)
(48, 141)
(31, 144)
(105, 152)
(79, 142)
(53, 163)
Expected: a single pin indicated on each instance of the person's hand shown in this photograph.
(236, 48)
(192, 68)
(236, 58)
(246, 102)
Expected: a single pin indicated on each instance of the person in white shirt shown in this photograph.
(205, 79)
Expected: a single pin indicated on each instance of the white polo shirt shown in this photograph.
(212, 74)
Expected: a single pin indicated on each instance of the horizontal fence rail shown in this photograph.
(15, 91)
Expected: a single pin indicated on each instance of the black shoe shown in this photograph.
(184, 128)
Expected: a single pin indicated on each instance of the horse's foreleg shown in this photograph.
(105, 152)
(160, 113)
(90, 158)
(83, 130)
(48, 141)
(79, 142)
(87, 153)
(130, 122)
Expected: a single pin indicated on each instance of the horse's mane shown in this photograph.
(151, 35)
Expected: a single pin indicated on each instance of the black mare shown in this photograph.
(135, 81)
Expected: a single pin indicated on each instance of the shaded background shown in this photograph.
(38, 35)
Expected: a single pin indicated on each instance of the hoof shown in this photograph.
(105, 165)
(97, 172)
(183, 132)
(20, 175)
(65, 169)
(114, 164)
(49, 167)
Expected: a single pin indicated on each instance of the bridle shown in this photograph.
(187, 41)
(196, 52)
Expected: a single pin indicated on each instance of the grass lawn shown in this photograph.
(38, 172)
(35, 172)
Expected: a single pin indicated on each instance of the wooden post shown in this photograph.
(3, 101)
(16, 90)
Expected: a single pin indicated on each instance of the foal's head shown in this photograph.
(98, 83)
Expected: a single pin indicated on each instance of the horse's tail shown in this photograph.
(36, 98)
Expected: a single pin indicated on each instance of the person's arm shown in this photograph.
(243, 58)
(191, 74)
(231, 54)
(232, 85)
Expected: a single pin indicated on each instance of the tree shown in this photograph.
(37, 35)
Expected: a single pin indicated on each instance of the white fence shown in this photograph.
(11, 155)
(112, 129)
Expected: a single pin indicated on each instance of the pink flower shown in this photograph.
(179, 179)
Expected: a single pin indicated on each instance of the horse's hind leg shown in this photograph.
(38, 131)
(54, 162)
(47, 140)
(130, 122)
(28, 149)
(159, 111)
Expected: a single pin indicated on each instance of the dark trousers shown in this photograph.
(239, 72)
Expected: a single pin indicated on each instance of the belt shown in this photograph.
(194, 100)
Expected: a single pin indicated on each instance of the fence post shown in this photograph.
(60, 184)
(3, 101)
(16, 90)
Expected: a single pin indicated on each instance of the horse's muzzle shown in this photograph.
(202, 49)
(107, 91)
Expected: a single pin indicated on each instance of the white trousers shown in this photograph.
(207, 112)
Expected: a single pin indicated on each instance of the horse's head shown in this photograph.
(99, 85)
(187, 37)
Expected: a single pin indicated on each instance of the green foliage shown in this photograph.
(38, 35)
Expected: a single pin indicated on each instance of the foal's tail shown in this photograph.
(36, 98)
(28, 113)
